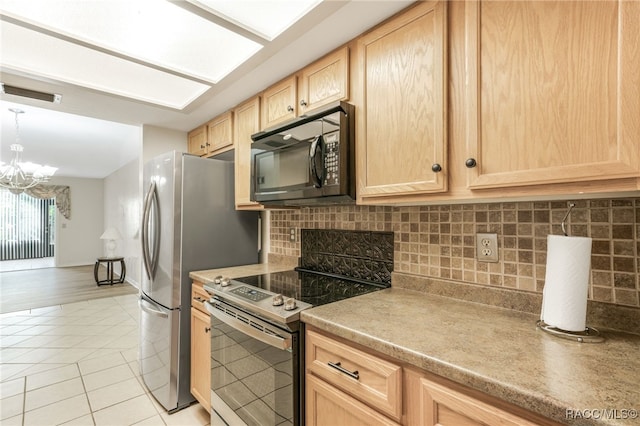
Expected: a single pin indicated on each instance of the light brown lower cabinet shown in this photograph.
(334, 397)
(371, 379)
(431, 403)
(200, 347)
(343, 384)
(329, 406)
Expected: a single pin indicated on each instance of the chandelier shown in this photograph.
(18, 175)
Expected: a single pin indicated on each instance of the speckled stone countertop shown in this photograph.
(274, 265)
(494, 350)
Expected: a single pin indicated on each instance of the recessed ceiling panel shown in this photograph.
(36, 53)
(267, 18)
(153, 31)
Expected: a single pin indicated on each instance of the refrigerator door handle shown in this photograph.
(148, 310)
(156, 231)
(149, 266)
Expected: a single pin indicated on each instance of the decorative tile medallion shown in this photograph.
(365, 255)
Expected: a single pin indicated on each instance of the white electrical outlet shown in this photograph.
(487, 247)
(292, 234)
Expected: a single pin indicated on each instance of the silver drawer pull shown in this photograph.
(341, 369)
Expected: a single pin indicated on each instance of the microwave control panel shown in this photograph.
(332, 158)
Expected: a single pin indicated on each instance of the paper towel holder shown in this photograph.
(589, 335)
(564, 219)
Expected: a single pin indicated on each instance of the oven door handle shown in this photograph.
(271, 340)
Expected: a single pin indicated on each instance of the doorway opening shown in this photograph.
(27, 231)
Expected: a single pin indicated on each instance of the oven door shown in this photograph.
(255, 377)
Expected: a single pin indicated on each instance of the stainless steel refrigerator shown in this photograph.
(189, 223)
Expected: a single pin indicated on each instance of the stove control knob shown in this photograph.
(225, 282)
(217, 280)
(290, 304)
(278, 300)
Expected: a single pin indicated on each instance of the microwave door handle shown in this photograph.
(316, 161)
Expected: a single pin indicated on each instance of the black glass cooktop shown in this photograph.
(309, 287)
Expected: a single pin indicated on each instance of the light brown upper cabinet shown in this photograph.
(401, 134)
(553, 92)
(213, 137)
(220, 133)
(246, 123)
(197, 141)
(318, 84)
(279, 102)
(324, 81)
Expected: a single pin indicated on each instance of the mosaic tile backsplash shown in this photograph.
(365, 255)
(439, 241)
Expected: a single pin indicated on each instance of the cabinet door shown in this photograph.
(443, 406)
(327, 406)
(279, 103)
(220, 133)
(430, 402)
(553, 93)
(197, 141)
(201, 357)
(402, 132)
(325, 81)
(246, 123)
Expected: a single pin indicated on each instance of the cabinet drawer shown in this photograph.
(373, 380)
(199, 296)
(327, 406)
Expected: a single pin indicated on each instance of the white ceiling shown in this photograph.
(94, 131)
(79, 146)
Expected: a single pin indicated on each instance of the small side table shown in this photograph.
(110, 279)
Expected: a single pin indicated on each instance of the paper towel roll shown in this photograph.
(566, 287)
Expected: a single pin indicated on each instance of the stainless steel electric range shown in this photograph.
(257, 355)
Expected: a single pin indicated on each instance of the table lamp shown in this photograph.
(111, 235)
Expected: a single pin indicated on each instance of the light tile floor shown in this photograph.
(76, 364)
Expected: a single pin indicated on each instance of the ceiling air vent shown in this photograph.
(33, 94)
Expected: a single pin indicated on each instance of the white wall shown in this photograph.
(158, 140)
(78, 238)
(123, 194)
(113, 201)
(122, 210)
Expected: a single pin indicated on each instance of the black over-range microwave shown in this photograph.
(307, 161)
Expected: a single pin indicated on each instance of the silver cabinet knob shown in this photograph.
(289, 108)
(303, 103)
